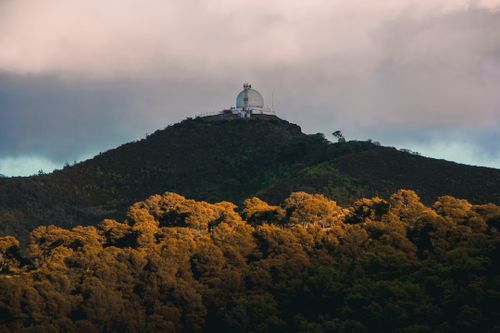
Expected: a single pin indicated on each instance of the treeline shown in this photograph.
(309, 265)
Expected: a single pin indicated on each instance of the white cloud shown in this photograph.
(25, 165)
(132, 37)
(461, 152)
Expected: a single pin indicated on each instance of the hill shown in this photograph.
(230, 160)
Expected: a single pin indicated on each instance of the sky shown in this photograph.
(80, 77)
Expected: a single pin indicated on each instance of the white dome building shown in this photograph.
(249, 98)
(249, 104)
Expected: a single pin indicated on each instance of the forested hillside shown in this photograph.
(308, 265)
(230, 160)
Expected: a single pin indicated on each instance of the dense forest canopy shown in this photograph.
(306, 265)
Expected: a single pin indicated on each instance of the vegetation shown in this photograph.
(230, 160)
(339, 136)
(307, 265)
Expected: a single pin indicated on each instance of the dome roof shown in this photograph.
(249, 98)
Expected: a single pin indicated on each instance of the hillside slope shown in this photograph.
(230, 160)
(381, 171)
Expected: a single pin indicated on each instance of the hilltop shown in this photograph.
(231, 160)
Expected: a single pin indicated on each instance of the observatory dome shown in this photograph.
(249, 98)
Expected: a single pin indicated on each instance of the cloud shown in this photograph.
(78, 77)
(25, 166)
(65, 120)
(132, 37)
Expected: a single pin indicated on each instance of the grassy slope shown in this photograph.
(381, 171)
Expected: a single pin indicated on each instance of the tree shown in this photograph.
(340, 137)
(180, 265)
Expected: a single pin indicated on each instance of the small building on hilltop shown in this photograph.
(249, 104)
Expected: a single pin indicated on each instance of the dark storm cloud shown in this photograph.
(65, 119)
(60, 119)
